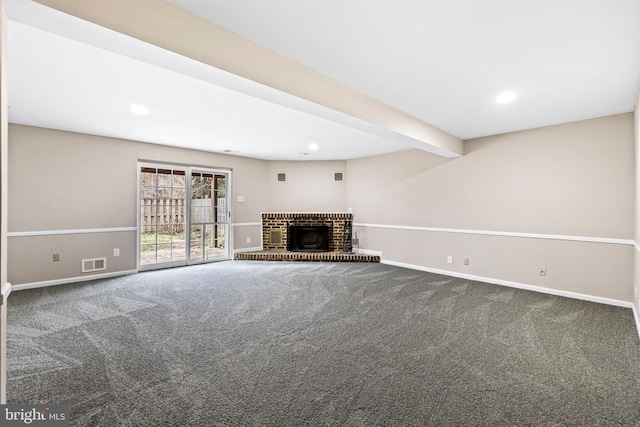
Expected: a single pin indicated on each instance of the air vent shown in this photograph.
(275, 237)
(337, 176)
(95, 264)
(282, 177)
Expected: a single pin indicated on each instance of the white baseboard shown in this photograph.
(71, 280)
(510, 284)
(635, 315)
(254, 249)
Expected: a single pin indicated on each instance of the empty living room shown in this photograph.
(340, 213)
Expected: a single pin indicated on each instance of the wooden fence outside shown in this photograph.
(169, 215)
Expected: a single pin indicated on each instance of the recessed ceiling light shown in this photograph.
(313, 146)
(505, 97)
(304, 154)
(138, 110)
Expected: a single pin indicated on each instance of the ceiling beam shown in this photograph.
(166, 25)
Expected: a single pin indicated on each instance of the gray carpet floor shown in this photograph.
(283, 344)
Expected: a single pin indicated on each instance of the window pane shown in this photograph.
(221, 210)
(148, 179)
(179, 181)
(178, 235)
(164, 253)
(179, 193)
(221, 236)
(178, 252)
(209, 241)
(196, 242)
(147, 254)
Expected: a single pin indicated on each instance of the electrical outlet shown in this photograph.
(56, 257)
(542, 271)
(466, 261)
(449, 259)
(248, 239)
(116, 251)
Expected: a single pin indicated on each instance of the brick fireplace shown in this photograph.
(276, 227)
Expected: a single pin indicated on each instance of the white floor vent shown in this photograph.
(95, 264)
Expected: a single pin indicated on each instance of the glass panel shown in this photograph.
(147, 217)
(178, 235)
(215, 241)
(179, 193)
(164, 252)
(177, 216)
(179, 252)
(208, 211)
(209, 241)
(196, 187)
(162, 215)
(201, 211)
(221, 236)
(171, 245)
(179, 180)
(196, 243)
(196, 211)
(148, 240)
(201, 186)
(147, 254)
(148, 179)
(148, 236)
(221, 181)
(221, 210)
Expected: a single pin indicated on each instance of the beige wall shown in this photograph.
(310, 186)
(4, 163)
(571, 180)
(575, 179)
(636, 252)
(69, 181)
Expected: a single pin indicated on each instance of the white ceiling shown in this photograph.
(442, 62)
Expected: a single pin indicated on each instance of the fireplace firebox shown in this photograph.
(308, 238)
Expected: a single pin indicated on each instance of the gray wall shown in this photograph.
(4, 147)
(69, 181)
(636, 258)
(498, 204)
(310, 186)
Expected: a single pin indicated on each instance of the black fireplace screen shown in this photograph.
(308, 238)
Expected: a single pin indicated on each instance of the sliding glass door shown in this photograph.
(184, 216)
(163, 216)
(209, 220)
